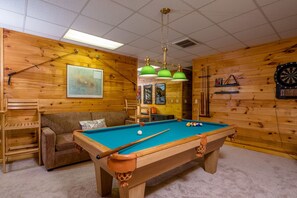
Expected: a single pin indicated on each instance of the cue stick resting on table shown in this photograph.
(107, 153)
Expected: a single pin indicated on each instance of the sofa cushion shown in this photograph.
(111, 118)
(64, 142)
(64, 122)
(92, 124)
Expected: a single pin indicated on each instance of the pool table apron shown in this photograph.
(154, 163)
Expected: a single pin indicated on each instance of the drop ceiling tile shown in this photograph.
(208, 34)
(18, 6)
(106, 11)
(74, 5)
(219, 11)
(2, 25)
(198, 4)
(286, 24)
(254, 33)
(44, 27)
(144, 43)
(288, 34)
(183, 24)
(178, 53)
(149, 54)
(134, 5)
(121, 36)
(233, 47)
(262, 40)
(250, 19)
(200, 50)
(189, 58)
(280, 9)
(265, 2)
(42, 35)
(90, 26)
(178, 9)
(129, 50)
(11, 18)
(50, 13)
(139, 24)
(224, 41)
(157, 34)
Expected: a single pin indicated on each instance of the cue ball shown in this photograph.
(139, 132)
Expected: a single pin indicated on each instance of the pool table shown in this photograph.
(136, 164)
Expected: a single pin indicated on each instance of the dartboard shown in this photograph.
(286, 80)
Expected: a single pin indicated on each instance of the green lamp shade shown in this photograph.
(164, 74)
(179, 76)
(148, 71)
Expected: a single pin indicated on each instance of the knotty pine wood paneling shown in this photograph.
(48, 82)
(263, 121)
(178, 96)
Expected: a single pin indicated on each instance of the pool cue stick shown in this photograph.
(207, 93)
(204, 95)
(107, 153)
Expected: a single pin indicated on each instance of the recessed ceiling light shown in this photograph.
(91, 39)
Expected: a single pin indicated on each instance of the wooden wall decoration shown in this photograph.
(264, 122)
(47, 83)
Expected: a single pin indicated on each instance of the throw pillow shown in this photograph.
(92, 124)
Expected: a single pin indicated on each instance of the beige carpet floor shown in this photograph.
(241, 173)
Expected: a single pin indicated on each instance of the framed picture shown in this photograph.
(147, 94)
(138, 97)
(160, 94)
(84, 82)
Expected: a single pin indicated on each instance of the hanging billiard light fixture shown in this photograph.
(164, 73)
(179, 75)
(148, 70)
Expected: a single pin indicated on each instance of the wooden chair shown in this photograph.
(138, 112)
(20, 114)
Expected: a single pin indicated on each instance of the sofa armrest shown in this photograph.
(48, 144)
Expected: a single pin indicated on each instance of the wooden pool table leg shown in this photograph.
(134, 192)
(103, 181)
(211, 161)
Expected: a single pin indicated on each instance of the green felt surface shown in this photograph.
(114, 137)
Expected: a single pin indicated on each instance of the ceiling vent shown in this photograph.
(186, 42)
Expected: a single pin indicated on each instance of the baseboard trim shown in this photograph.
(263, 150)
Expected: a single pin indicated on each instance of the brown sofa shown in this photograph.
(58, 148)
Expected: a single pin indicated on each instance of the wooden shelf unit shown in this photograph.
(13, 123)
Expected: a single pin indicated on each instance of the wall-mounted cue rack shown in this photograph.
(204, 94)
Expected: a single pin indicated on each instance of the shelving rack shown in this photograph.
(11, 122)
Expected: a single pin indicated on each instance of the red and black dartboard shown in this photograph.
(286, 81)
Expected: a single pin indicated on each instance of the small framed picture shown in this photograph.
(147, 94)
(160, 93)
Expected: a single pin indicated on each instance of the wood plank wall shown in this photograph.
(173, 97)
(264, 122)
(178, 97)
(48, 82)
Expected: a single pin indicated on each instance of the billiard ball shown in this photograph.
(200, 124)
(139, 132)
(188, 124)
